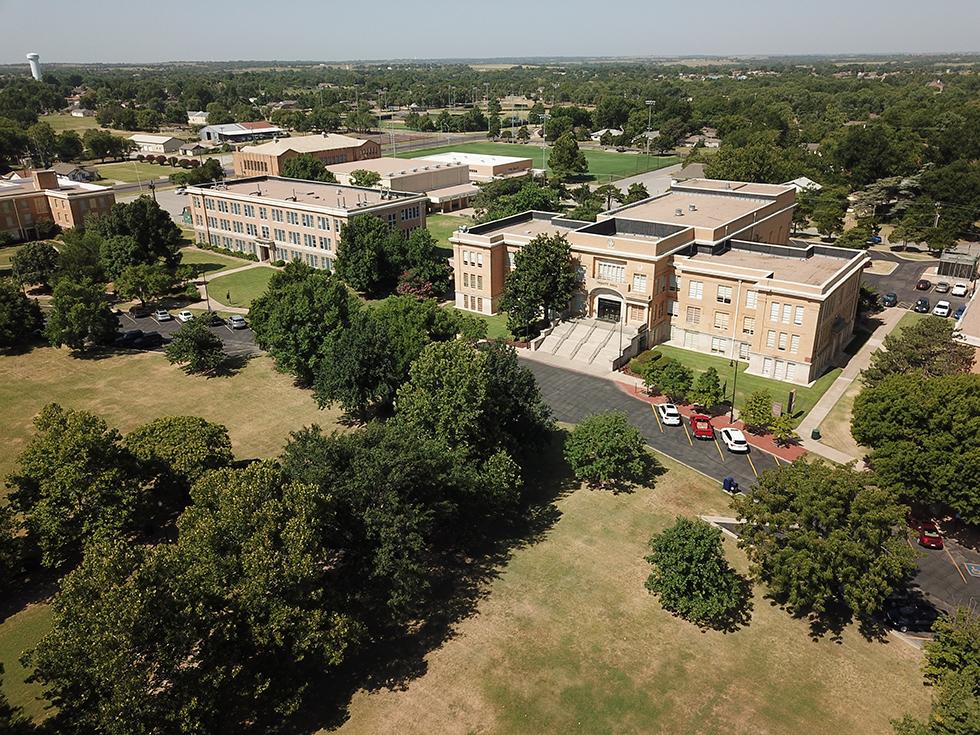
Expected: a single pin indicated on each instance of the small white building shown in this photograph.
(597, 135)
(156, 143)
(197, 117)
(804, 184)
(82, 112)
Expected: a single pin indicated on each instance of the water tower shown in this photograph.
(35, 60)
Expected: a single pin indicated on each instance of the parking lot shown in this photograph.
(902, 282)
(237, 342)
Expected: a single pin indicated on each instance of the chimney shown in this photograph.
(45, 180)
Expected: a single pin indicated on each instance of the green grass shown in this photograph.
(907, 321)
(67, 122)
(496, 324)
(442, 226)
(566, 639)
(210, 262)
(603, 165)
(132, 172)
(6, 256)
(239, 289)
(18, 633)
(746, 384)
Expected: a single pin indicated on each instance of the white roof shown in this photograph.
(157, 139)
(804, 183)
(474, 159)
(305, 144)
(15, 184)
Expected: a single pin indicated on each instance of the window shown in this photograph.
(724, 295)
(770, 339)
(721, 320)
(639, 283)
(323, 223)
(307, 220)
(249, 210)
(294, 237)
(479, 259)
(798, 315)
(280, 235)
(673, 283)
(292, 218)
(479, 282)
(718, 344)
(263, 213)
(672, 308)
(265, 231)
(695, 289)
(236, 208)
(613, 272)
(392, 218)
(466, 301)
(510, 261)
(309, 240)
(324, 243)
(694, 315)
(238, 226)
(790, 371)
(783, 337)
(748, 325)
(794, 343)
(222, 205)
(225, 224)
(479, 304)
(466, 280)
(751, 299)
(774, 312)
(787, 312)
(743, 350)
(277, 215)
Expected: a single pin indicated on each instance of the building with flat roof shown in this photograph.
(708, 266)
(277, 218)
(485, 168)
(266, 159)
(43, 196)
(446, 184)
(239, 132)
(146, 143)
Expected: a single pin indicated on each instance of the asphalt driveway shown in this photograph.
(237, 342)
(902, 281)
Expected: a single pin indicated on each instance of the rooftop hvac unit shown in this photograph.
(678, 212)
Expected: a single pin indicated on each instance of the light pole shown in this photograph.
(734, 364)
(650, 106)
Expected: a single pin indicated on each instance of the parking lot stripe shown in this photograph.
(953, 562)
(656, 415)
(687, 433)
(718, 447)
(752, 465)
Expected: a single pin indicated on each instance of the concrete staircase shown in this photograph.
(588, 341)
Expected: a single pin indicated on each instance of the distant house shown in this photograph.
(194, 149)
(197, 117)
(82, 112)
(804, 184)
(74, 173)
(937, 85)
(155, 143)
(240, 132)
(597, 135)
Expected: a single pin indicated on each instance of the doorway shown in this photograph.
(608, 310)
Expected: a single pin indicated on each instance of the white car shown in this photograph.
(959, 289)
(734, 440)
(185, 316)
(669, 414)
(942, 308)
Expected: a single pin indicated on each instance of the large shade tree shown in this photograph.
(543, 281)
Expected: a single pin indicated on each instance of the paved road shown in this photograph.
(574, 396)
(236, 341)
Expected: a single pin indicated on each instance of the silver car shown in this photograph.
(237, 321)
(162, 315)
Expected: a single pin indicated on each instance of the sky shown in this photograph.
(126, 31)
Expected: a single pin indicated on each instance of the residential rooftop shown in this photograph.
(304, 144)
(283, 190)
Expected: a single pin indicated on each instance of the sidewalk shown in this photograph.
(889, 318)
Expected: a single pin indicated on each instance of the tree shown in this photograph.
(43, 144)
(34, 263)
(74, 482)
(674, 379)
(307, 167)
(692, 577)
(926, 346)
(759, 161)
(828, 213)
(196, 347)
(10, 555)
(823, 538)
(369, 254)
(606, 451)
(706, 392)
(69, 146)
(566, 159)
(523, 134)
(636, 192)
(20, 317)
(756, 413)
(543, 279)
(498, 199)
(609, 193)
(143, 220)
(923, 437)
(955, 646)
(120, 252)
(363, 177)
(536, 114)
(80, 316)
(144, 281)
(80, 256)
(426, 263)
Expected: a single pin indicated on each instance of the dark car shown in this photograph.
(923, 285)
(921, 306)
(910, 614)
(960, 311)
(889, 299)
(128, 338)
(942, 287)
(149, 341)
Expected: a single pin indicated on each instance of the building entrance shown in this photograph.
(608, 310)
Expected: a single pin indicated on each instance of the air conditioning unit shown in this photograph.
(678, 212)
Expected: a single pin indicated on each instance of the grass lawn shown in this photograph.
(805, 397)
(66, 122)
(835, 429)
(496, 324)
(132, 172)
(907, 321)
(239, 289)
(442, 226)
(6, 255)
(210, 262)
(603, 165)
(567, 639)
(18, 633)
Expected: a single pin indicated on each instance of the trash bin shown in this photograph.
(815, 434)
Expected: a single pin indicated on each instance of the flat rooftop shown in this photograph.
(709, 210)
(815, 270)
(473, 159)
(305, 144)
(22, 185)
(739, 187)
(278, 189)
(528, 224)
(393, 166)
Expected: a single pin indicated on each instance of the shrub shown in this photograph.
(639, 363)
(607, 451)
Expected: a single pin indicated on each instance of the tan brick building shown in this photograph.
(485, 168)
(291, 219)
(266, 159)
(43, 196)
(446, 184)
(708, 266)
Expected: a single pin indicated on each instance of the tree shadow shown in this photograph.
(231, 366)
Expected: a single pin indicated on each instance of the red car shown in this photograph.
(701, 427)
(929, 535)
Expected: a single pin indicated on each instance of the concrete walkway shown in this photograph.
(888, 319)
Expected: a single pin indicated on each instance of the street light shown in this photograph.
(733, 364)
(650, 106)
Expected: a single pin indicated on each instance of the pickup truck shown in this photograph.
(701, 427)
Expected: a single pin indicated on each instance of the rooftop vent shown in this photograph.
(693, 207)
(678, 212)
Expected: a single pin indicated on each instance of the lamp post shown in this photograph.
(733, 364)
(650, 106)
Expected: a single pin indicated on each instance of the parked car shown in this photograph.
(138, 311)
(889, 299)
(909, 614)
(960, 311)
(701, 427)
(669, 414)
(942, 308)
(921, 306)
(923, 285)
(162, 315)
(960, 290)
(734, 440)
(185, 316)
(237, 321)
(929, 536)
(149, 340)
(127, 338)
(212, 318)
(942, 287)
(873, 240)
